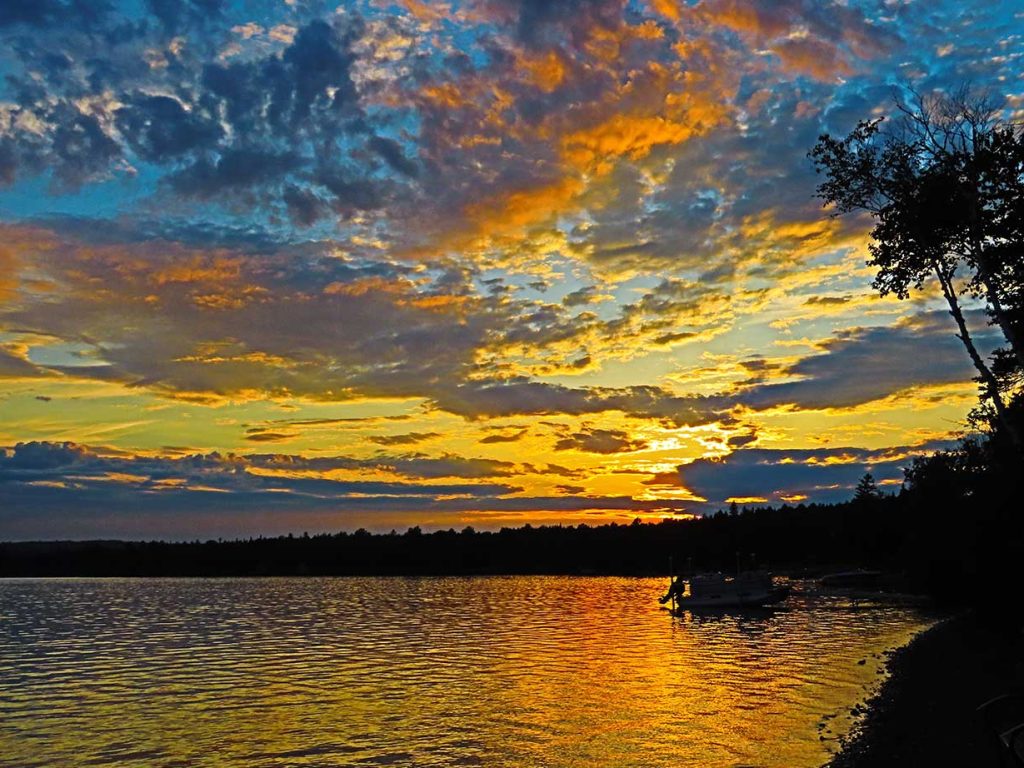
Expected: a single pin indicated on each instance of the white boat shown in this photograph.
(747, 589)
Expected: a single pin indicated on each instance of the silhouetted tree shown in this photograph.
(866, 491)
(944, 183)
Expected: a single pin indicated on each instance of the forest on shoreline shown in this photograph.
(802, 536)
(949, 526)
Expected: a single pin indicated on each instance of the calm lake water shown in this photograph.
(499, 671)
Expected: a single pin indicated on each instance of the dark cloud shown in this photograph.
(159, 128)
(36, 456)
(234, 170)
(15, 366)
(742, 439)
(391, 152)
(270, 437)
(30, 464)
(448, 465)
(136, 230)
(220, 129)
(50, 487)
(834, 30)
(550, 22)
(820, 474)
(671, 338)
(46, 13)
(505, 438)
(319, 62)
(580, 362)
(305, 208)
(304, 91)
(525, 397)
(351, 422)
(175, 14)
(860, 365)
(81, 150)
(28, 12)
(828, 300)
(414, 465)
(409, 438)
(555, 469)
(600, 441)
(350, 193)
(581, 296)
(8, 161)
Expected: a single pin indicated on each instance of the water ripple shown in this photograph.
(501, 671)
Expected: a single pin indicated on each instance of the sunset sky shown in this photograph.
(276, 265)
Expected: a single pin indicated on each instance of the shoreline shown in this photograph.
(924, 712)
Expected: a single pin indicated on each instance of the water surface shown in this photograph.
(497, 671)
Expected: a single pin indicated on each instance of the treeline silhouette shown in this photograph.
(802, 536)
(952, 531)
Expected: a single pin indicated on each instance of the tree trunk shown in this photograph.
(1005, 324)
(985, 373)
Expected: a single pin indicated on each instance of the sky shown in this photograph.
(277, 265)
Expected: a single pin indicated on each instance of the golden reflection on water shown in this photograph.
(498, 671)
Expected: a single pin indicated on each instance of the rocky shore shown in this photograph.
(924, 714)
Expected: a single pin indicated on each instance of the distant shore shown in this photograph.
(924, 713)
(808, 539)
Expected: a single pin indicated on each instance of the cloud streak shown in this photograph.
(41, 482)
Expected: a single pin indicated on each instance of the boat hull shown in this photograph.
(738, 600)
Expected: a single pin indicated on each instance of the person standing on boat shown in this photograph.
(675, 589)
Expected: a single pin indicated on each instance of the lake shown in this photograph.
(490, 671)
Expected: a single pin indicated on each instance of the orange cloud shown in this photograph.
(8, 272)
(659, 105)
(15, 243)
(400, 292)
(508, 213)
(813, 57)
(799, 36)
(199, 269)
(667, 8)
(446, 94)
(439, 303)
(374, 285)
(597, 149)
(745, 16)
(432, 11)
(547, 71)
